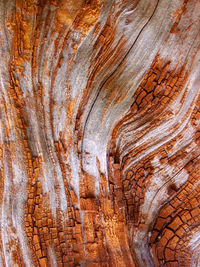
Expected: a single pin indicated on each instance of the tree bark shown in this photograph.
(100, 133)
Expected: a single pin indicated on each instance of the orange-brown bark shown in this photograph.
(99, 133)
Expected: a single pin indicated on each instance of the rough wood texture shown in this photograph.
(100, 133)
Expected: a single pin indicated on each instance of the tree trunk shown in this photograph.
(100, 133)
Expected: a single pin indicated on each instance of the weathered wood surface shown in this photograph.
(100, 133)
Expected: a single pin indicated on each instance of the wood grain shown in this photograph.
(100, 133)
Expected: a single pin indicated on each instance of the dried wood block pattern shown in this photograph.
(100, 133)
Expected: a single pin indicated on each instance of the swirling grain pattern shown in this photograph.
(100, 133)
